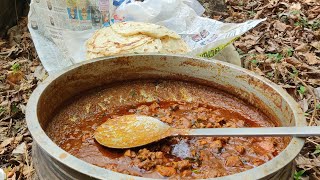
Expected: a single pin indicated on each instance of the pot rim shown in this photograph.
(41, 138)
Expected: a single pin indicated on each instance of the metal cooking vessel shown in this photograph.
(51, 162)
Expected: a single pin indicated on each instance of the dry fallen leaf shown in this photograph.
(6, 142)
(316, 44)
(280, 26)
(303, 47)
(304, 104)
(314, 82)
(18, 139)
(40, 73)
(295, 6)
(311, 58)
(15, 77)
(310, 1)
(305, 163)
(20, 149)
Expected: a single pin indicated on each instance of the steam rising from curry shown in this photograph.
(179, 104)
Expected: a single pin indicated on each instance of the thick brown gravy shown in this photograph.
(181, 105)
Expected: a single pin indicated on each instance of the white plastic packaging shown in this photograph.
(60, 28)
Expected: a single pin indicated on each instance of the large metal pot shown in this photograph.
(51, 162)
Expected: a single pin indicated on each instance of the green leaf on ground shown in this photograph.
(302, 90)
(298, 175)
(15, 67)
(317, 151)
(275, 57)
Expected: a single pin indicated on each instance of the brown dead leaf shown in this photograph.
(6, 142)
(259, 49)
(40, 73)
(280, 26)
(294, 61)
(295, 6)
(15, 77)
(311, 58)
(310, 1)
(20, 149)
(258, 14)
(303, 47)
(314, 82)
(316, 44)
(304, 104)
(18, 139)
(306, 163)
(272, 46)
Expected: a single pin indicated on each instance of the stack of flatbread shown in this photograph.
(134, 38)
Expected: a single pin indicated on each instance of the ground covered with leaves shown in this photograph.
(285, 49)
(20, 71)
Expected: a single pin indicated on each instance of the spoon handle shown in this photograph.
(263, 131)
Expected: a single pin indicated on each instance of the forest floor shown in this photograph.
(285, 49)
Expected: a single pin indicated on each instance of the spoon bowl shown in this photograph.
(132, 131)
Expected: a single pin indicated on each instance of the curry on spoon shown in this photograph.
(134, 130)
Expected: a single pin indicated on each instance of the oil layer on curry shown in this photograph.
(179, 104)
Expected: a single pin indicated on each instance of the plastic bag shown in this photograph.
(205, 36)
(60, 28)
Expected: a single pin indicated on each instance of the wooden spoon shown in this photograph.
(132, 131)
